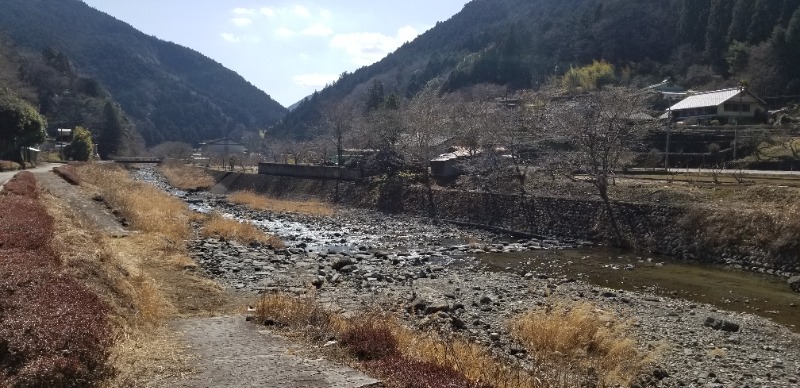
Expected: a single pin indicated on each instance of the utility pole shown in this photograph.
(669, 128)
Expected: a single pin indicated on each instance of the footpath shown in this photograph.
(226, 351)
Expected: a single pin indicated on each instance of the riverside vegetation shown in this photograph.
(531, 330)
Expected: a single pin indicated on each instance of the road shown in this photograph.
(721, 171)
(5, 176)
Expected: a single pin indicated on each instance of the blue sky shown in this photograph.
(286, 48)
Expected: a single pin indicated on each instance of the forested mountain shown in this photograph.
(169, 91)
(523, 43)
(49, 81)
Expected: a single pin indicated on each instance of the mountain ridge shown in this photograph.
(171, 92)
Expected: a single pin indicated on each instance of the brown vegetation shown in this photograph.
(54, 331)
(583, 336)
(68, 173)
(186, 177)
(146, 277)
(229, 229)
(260, 202)
(572, 346)
(146, 208)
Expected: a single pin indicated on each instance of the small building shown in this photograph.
(222, 146)
(668, 90)
(726, 105)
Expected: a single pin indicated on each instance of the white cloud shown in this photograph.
(315, 80)
(284, 32)
(230, 37)
(244, 11)
(303, 12)
(318, 29)
(366, 48)
(242, 22)
(268, 12)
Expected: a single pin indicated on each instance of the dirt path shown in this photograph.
(89, 210)
(235, 353)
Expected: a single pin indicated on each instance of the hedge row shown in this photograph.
(54, 332)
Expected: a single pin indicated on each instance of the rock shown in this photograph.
(794, 283)
(341, 263)
(318, 282)
(720, 324)
(457, 323)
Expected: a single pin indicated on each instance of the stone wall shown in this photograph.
(654, 228)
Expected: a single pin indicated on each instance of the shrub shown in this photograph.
(68, 173)
(7, 165)
(53, 330)
(23, 184)
(302, 314)
(407, 373)
(369, 340)
(27, 227)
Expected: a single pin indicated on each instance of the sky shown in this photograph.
(288, 49)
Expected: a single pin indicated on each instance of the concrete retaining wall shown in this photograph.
(313, 172)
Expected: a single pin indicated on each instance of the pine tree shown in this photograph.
(719, 18)
(692, 22)
(765, 16)
(789, 6)
(792, 46)
(740, 21)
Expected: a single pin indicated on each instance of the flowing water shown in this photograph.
(765, 295)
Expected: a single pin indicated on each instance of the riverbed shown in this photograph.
(472, 281)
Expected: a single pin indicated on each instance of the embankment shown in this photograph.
(688, 233)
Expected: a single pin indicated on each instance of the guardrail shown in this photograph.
(138, 159)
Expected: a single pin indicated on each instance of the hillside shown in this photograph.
(169, 91)
(67, 99)
(523, 43)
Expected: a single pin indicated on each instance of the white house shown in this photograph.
(726, 105)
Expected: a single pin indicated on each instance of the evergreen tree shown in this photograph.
(792, 46)
(719, 18)
(376, 96)
(789, 6)
(82, 146)
(111, 137)
(740, 20)
(765, 15)
(692, 22)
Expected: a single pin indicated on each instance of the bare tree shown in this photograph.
(172, 150)
(603, 132)
(428, 126)
(337, 120)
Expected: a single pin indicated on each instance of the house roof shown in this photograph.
(223, 141)
(713, 98)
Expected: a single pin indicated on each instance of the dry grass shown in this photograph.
(147, 208)
(186, 177)
(260, 202)
(583, 336)
(584, 340)
(229, 229)
(146, 277)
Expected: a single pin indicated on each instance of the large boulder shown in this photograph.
(794, 283)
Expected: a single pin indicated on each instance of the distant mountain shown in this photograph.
(170, 92)
(524, 43)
